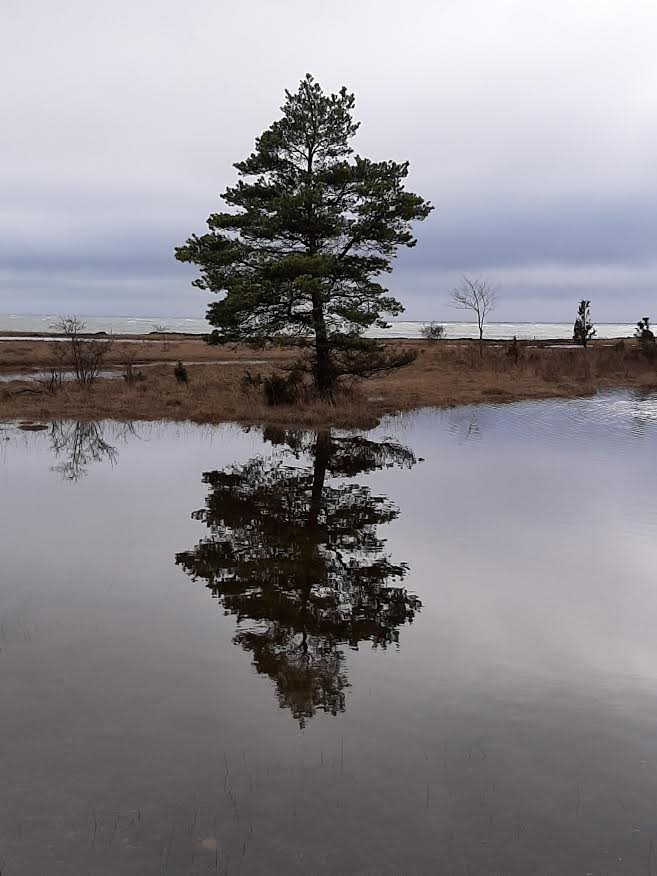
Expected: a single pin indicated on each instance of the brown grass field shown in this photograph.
(444, 374)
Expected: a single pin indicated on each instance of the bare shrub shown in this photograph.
(129, 374)
(56, 364)
(84, 355)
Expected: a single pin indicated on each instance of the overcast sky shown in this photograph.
(531, 125)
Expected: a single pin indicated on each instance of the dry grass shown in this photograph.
(448, 374)
(25, 355)
(213, 394)
(444, 374)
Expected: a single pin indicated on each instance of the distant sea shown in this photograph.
(37, 325)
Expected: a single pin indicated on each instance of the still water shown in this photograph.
(431, 648)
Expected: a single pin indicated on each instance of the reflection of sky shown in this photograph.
(531, 530)
(519, 706)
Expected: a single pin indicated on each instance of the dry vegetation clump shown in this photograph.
(445, 373)
(213, 393)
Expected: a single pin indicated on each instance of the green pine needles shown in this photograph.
(583, 329)
(311, 229)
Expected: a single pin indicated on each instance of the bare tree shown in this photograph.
(85, 355)
(479, 296)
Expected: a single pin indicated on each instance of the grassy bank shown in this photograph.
(444, 374)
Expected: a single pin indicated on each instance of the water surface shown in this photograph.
(397, 329)
(426, 649)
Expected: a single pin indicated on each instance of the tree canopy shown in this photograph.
(311, 228)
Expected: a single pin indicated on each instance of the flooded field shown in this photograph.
(430, 648)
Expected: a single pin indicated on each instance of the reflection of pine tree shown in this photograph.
(296, 557)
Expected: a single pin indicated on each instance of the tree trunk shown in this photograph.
(481, 341)
(311, 560)
(324, 378)
(322, 455)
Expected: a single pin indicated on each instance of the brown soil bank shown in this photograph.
(444, 374)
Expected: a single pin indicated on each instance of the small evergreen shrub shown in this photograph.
(432, 331)
(583, 330)
(180, 373)
(643, 331)
(281, 390)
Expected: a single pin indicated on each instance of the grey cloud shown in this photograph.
(531, 126)
(101, 293)
(568, 232)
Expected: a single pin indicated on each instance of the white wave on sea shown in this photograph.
(129, 325)
(536, 331)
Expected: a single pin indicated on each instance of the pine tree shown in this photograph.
(583, 329)
(643, 331)
(311, 229)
